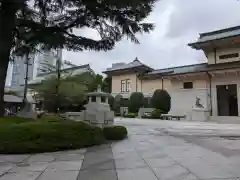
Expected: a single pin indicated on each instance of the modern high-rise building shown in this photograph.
(46, 61)
(19, 69)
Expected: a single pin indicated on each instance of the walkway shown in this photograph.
(155, 150)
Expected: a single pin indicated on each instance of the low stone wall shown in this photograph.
(76, 116)
(225, 119)
(142, 111)
(99, 118)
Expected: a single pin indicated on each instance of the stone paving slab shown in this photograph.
(171, 173)
(136, 174)
(21, 176)
(109, 174)
(13, 158)
(59, 175)
(41, 158)
(64, 166)
(129, 164)
(98, 164)
(33, 167)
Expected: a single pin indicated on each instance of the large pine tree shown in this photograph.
(29, 24)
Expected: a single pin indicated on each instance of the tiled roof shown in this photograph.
(203, 67)
(181, 69)
(133, 64)
(220, 34)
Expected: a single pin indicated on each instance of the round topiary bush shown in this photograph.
(156, 114)
(111, 102)
(136, 101)
(161, 100)
(115, 133)
(117, 103)
(35, 136)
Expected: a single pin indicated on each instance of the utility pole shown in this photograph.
(26, 78)
(58, 70)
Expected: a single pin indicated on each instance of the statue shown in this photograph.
(198, 104)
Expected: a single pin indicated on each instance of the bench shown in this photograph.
(172, 117)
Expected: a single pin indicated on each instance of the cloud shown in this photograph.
(178, 22)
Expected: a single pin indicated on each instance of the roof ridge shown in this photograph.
(179, 66)
(219, 31)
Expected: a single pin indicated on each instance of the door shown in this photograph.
(227, 100)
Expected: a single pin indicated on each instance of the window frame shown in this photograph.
(228, 56)
(128, 85)
(123, 85)
(185, 85)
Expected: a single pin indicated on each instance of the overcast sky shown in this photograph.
(178, 22)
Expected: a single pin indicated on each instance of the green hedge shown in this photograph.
(130, 115)
(156, 114)
(18, 135)
(115, 133)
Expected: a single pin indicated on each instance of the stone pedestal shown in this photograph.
(200, 114)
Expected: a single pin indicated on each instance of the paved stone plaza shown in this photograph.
(155, 150)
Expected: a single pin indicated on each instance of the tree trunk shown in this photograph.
(7, 24)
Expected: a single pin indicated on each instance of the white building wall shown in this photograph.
(183, 100)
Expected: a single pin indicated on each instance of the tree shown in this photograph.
(136, 101)
(161, 100)
(27, 25)
(97, 81)
(107, 84)
(71, 91)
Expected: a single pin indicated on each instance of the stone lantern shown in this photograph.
(97, 113)
(98, 100)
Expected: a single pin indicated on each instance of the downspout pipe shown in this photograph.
(162, 84)
(210, 87)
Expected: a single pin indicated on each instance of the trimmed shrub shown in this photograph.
(136, 101)
(161, 100)
(117, 103)
(35, 136)
(156, 114)
(115, 133)
(130, 115)
(13, 120)
(147, 103)
(111, 102)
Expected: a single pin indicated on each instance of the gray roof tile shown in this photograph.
(220, 34)
(133, 64)
(181, 69)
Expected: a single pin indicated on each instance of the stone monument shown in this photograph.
(97, 111)
(199, 113)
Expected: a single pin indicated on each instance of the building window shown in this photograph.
(123, 85)
(187, 85)
(227, 56)
(128, 87)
